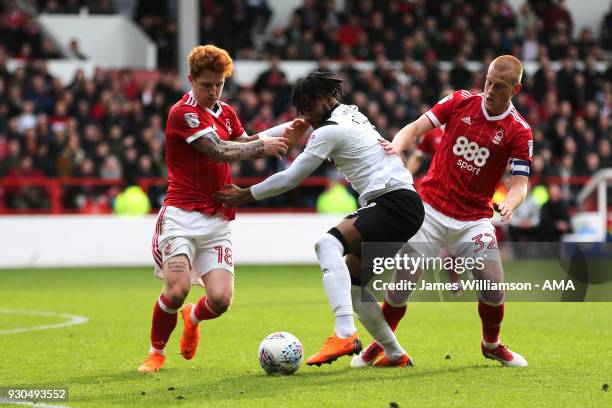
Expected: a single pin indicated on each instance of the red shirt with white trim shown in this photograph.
(430, 141)
(473, 155)
(193, 177)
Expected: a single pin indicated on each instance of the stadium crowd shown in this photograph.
(112, 126)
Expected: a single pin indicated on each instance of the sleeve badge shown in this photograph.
(192, 119)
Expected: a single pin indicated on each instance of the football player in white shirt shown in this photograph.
(391, 210)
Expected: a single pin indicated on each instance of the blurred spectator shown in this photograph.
(525, 220)
(74, 51)
(111, 168)
(554, 216)
(26, 197)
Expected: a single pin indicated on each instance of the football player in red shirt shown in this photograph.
(427, 146)
(192, 242)
(483, 133)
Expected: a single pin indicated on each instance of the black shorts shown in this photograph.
(392, 217)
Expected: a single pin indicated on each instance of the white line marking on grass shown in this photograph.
(31, 404)
(71, 320)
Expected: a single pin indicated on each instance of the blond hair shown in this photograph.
(510, 63)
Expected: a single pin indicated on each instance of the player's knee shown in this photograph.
(320, 245)
(220, 300)
(329, 243)
(492, 297)
(177, 293)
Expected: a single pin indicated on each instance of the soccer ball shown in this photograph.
(280, 353)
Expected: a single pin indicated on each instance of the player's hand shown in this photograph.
(275, 146)
(295, 131)
(504, 210)
(233, 196)
(389, 148)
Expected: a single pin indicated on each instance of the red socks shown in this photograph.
(393, 314)
(203, 311)
(491, 317)
(164, 322)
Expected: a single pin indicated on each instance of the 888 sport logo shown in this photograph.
(472, 156)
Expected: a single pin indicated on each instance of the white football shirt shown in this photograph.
(352, 143)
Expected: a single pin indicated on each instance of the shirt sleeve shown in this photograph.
(521, 154)
(288, 179)
(322, 141)
(187, 124)
(441, 112)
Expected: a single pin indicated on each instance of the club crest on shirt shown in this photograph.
(192, 119)
(229, 126)
(499, 135)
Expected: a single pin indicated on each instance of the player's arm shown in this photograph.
(514, 198)
(408, 135)
(274, 185)
(292, 131)
(414, 161)
(221, 150)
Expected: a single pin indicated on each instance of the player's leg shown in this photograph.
(427, 241)
(453, 276)
(479, 242)
(214, 266)
(370, 315)
(177, 282)
(330, 249)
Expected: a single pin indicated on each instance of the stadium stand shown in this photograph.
(75, 147)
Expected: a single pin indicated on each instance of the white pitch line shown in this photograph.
(31, 404)
(72, 320)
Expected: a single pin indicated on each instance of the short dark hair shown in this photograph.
(314, 87)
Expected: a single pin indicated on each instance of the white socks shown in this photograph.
(154, 350)
(491, 346)
(337, 283)
(371, 316)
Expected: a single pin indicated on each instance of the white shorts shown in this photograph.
(468, 239)
(205, 240)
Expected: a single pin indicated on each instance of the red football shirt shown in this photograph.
(473, 155)
(430, 141)
(193, 177)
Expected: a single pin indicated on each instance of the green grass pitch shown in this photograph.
(568, 346)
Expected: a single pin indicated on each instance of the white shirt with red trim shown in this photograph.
(473, 155)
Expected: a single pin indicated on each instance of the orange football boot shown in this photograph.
(403, 361)
(334, 348)
(153, 363)
(191, 334)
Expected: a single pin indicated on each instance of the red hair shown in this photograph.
(209, 57)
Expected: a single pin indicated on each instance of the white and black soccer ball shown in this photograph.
(280, 353)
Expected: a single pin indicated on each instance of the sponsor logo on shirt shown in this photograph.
(472, 156)
(192, 119)
(467, 120)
